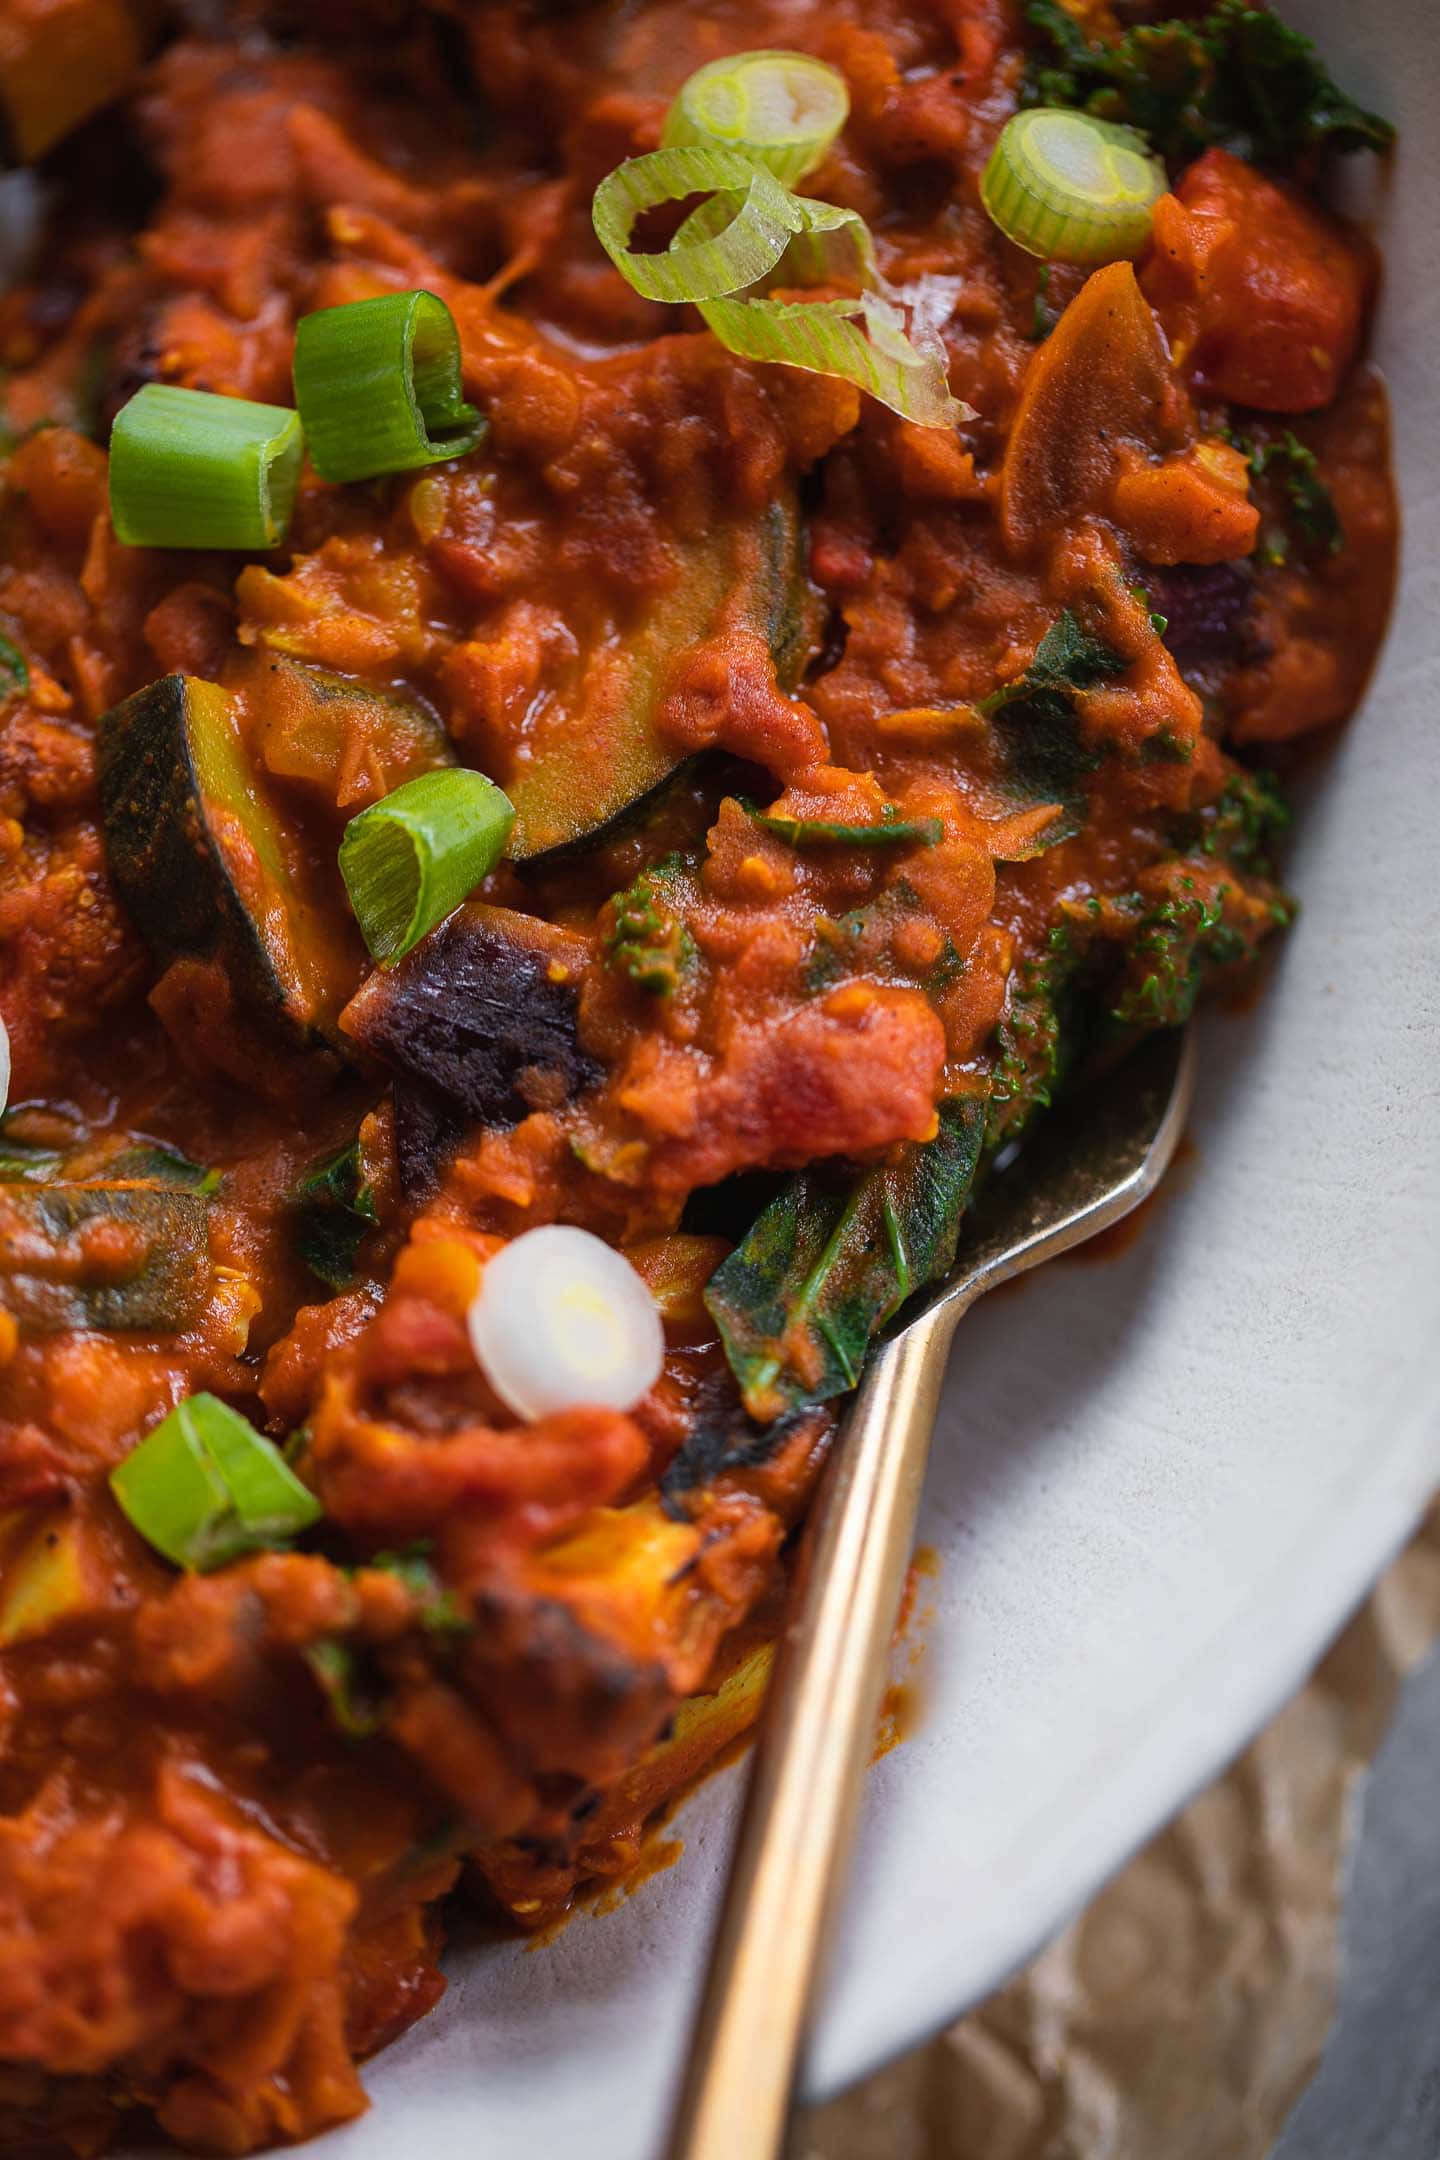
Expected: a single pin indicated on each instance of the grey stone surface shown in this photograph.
(1377, 2093)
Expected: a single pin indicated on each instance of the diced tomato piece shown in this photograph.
(1262, 295)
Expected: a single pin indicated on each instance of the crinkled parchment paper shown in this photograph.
(1181, 2016)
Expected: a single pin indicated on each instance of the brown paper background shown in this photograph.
(1183, 2013)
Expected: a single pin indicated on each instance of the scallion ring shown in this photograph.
(562, 1320)
(378, 387)
(411, 859)
(729, 255)
(203, 1487)
(192, 470)
(1071, 188)
(782, 108)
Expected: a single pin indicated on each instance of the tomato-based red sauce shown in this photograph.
(222, 1870)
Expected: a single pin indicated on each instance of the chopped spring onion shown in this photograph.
(740, 249)
(1071, 188)
(561, 1320)
(191, 470)
(378, 387)
(410, 860)
(782, 108)
(862, 341)
(732, 243)
(203, 1487)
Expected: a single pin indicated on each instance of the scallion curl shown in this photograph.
(742, 244)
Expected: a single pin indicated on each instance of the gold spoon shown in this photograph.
(819, 1726)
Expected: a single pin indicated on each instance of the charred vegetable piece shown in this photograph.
(103, 1256)
(594, 756)
(61, 61)
(483, 1014)
(334, 1209)
(428, 1129)
(198, 855)
(826, 1265)
(348, 740)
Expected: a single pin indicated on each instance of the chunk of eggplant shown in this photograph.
(103, 1256)
(593, 756)
(482, 1016)
(199, 857)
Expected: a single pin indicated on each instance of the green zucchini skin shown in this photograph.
(606, 763)
(104, 1256)
(197, 855)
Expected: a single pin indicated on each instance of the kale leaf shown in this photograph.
(1237, 76)
(1041, 756)
(334, 1206)
(827, 1264)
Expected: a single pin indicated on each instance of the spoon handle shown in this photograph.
(817, 1737)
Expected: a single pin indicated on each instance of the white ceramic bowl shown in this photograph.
(1160, 1483)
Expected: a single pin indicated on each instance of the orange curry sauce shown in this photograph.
(213, 1895)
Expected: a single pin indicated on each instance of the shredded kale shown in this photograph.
(1042, 758)
(333, 1208)
(1034, 1038)
(1237, 76)
(891, 831)
(148, 1163)
(1242, 825)
(648, 940)
(862, 936)
(356, 1703)
(1310, 511)
(14, 674)
(439, 1609)
(1045, 316)
(1181, 941)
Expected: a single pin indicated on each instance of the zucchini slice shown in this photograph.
(198, 856)
(103, 1256)
(350, 742)
(596, 754)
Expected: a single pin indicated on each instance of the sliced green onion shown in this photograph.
(191, 470)
(782, 108)
(203, 1487)
(745, 246)
(378, 387)
(1071, 188)
(863, 341)
(410, 860)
